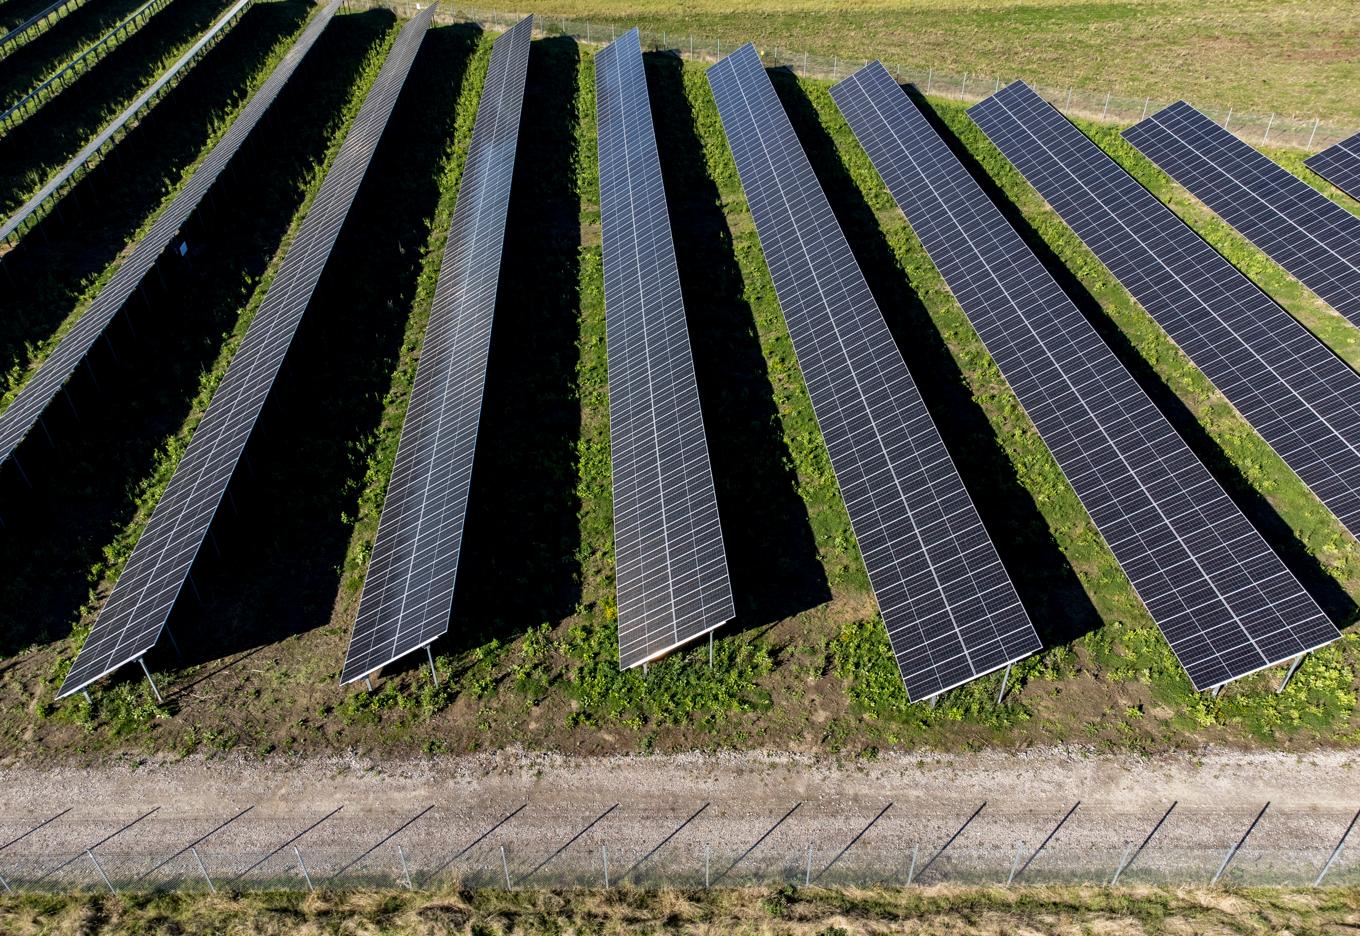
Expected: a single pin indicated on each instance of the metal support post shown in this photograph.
(1293, 668)
(1227, 118)
(86, 694)
(807, 873)
(911, 871)
(604, 853)
(930, 78)
(710, 650)
(1336, 852)
(1107, 107)
(5, 884)
(1316, 120)
(368, 681)
(405, 869)
(1005, 680)
(708, 854)
(202, 867)
(1015, 862)
(1216, 691)
(1270, 123)
(154, 691)
(1123, 862)
(1146, 101)
(505, 868)
(100, 868)
(434, 673)
(301, 864)
(932, 701)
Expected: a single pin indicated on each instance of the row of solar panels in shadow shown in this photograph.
(1224, 599)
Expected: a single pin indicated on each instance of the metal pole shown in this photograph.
(202, 867)
(1146, 101)
(604, 853)
(1314, 133)
(1228, 118)
(405, 870)
(710, 650)
(1270, 123)
(964, 86)
(1015, 862)
(5, 884)
(707, 856)
(930, 77)
(911, 871)
(1293, 668)
(301, 864)
(1107, 106)
(434, 673)
(1004, 680)
(1336, 852)
(98, 867)
(369, 683)
(1232, 852)
(505, 868)
(807, 874)
(154, 691)
(1123, 859)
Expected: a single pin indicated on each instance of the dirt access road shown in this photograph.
(1051, 815)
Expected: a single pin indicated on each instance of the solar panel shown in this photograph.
(132, 619)
(1298, 227)
(950, 609)
(1301, 398)
(37, 24)
(1339, 165)
(670, 564)
(28, 406)
(144, 100)
(408, 592)
(1226, 603)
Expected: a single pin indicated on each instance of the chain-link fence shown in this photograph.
(1105, 106)
(710, 845)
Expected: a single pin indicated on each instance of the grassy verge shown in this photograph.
(782, 910)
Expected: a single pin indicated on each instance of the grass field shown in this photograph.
(531, 655)
(930, 911)
(1294, 57)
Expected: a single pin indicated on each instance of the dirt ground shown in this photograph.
(1051, 815)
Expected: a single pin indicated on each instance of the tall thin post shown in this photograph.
(708, 854)
(930, 77)
(434, 673)
(807, 874)
(303, 865)
(405, 869)
(5, 884)
(1107, 106)
(1015, 862)
(1146, 102)
(1269, 123)
(100, 868)
(505, 868)
(1293, 668)
(1336, 852)
(154, 691)
(710, 650)
(193, 850)
(604, 853)
(963, 86)
(1228, 118)
(1123, 860)
(1005, 679)
(1316, 120)
(911, 871)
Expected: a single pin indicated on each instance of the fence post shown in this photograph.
(1015, 863)
(1123, 859)
(1147, 100)
(1107, 106)
(1313, 134)
(301, 864)
(405, 870)
(1228, 118)
(707, 855)
(604, 853)
(807, 874)
(211, 886)
(505, 868)
(911, 871)
(5, 884)
(100, 868)
(964, 86)
(1270, 123)
(930, 77)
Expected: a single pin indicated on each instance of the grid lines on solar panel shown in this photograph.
(950, 609)
(670, 564)
(1301, 398)
(18, 419)
(132, 619)
(1298, 227)
(1226, 603)
(408, 591)
(1339, 165)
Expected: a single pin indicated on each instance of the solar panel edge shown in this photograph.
(800, 156)
(377, 107)
(163, 230)
(659, 304)
(447, 292)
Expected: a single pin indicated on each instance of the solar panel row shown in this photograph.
(53, 186)
(1297, 226)
(1339, 165)
(408, 592)
(18, 419)
(1226, 603)
(133, 618)
(37, 24)
(951, 610)
(1301, 398)
(669, 559)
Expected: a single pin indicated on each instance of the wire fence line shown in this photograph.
(518, 846)
(1283, 130)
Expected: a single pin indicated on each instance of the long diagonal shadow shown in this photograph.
(661, 844)
(286, 844)
(90, 848)
(383, 841)
(1048, 838)
(851, 844)
(756, 843)
(565, 845)
(474, 843)
(1148, 838)
(966, 823)
(24, 835)
(198, 841)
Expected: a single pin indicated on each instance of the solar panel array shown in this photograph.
(408, 593)
(37, 24)
(1339, 165)
(1226, 603)
(132, 619)
(670, 564)
(1297, 226)
(23, 413)
(1301, 398)
(228, 19)
(951, 610)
